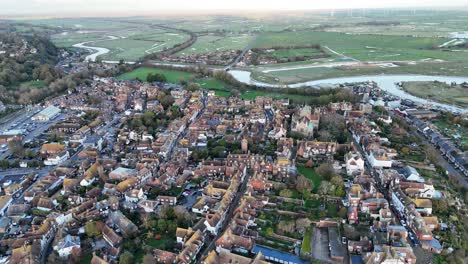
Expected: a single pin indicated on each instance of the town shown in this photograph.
(123, 171)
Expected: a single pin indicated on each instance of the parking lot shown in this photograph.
(30, 129)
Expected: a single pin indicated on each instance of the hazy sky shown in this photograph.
(89, 7)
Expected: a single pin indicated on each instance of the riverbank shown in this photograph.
(438, 91)
(385, 82)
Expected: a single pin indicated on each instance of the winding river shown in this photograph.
(98, 51)
(385, 82)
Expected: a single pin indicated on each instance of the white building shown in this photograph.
(354, 163)
(135, 195)
(379, 159)
(65, 246)
(213, 223)
(57, 159)
(398, 200)
(411, 174)
(47, 114)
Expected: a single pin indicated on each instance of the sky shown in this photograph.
(135, 7)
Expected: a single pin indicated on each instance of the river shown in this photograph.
(385, 82)
(98, 51)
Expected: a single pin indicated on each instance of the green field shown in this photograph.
(399, 36)
(456, 68)
(364, 46)
(217, 43)
(439, 92)
(305, 248)
(128, 40)
(288, 53)
(171, 75)
(310, 174)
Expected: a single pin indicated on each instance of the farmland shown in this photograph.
(215, 43)
(364, 47)
(411, 40)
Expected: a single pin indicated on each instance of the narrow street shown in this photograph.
(230, 213)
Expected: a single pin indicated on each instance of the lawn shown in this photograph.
(86, 259)
(141, 73)
(312, 203)
(162, 243)
(212, 83)
(310, 174)
(305, 248)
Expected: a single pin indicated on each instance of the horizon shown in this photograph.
(144, 8)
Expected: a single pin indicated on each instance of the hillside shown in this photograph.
(25, 58)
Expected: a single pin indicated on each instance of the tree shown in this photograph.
(431, 154)
(285, 226)
(182, 214)
(342, 212)
(325, 187)
(339, 191)
(286, 193)
(126, 258)
(325, 170)
(16, 148)
(156, 77)
(269, 231)
(91, 229)
(145, 220)
(405, 151)
(303, 184)
(193, 87)
(302, 224)
(440, 206)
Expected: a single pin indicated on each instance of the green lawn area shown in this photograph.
(312, 203)
(305, 248)
(331, 210)
(86, 259)
(211, 83)
(159, 243)
(172, 76)
(310, 174)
